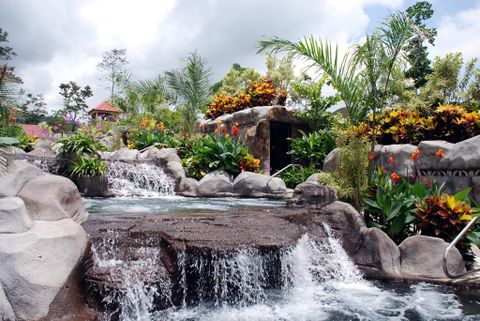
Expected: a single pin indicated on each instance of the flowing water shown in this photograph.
(139, 179)
(313, 280)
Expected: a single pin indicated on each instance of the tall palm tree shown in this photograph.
(191, 84)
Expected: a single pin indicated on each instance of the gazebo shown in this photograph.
(105, 111)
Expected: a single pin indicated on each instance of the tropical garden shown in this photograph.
(390, 89)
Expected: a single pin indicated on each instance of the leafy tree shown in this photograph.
(417, 53)
(280, 70)
(191, 85)
(74, 99)
(236, 80)
(114, 66)
(34, 109)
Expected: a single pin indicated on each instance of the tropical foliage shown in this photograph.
(311, 149)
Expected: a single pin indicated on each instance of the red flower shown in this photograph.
(391, 160)
(394, 176)
(234, 130)
(415, 154)
(439, 153)
(224, 128)
(184, 135)
(371, 156)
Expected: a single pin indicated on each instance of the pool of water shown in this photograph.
(174, 204)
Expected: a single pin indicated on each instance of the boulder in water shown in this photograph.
(311, 193)
(250, 184)
(215, 184)
(175, 170)
(188, 187)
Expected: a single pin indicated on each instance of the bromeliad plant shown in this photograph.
(311, 149)
(221, 151)
(87, 166)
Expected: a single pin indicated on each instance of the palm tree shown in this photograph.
(191, 85)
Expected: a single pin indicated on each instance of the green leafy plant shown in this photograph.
(81, 143)
(87, 166)
(311, 149)
(340, 186)
(295, 175)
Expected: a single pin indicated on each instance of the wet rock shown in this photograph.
(312, 193)
(43, 149)
(52, 198)
(422, 257)
(175, 170)
(256, 185)
(166, 155)
(36, 264)
(13, 216)
(13, 182)
(125, 154)
(378, 256)
(215, 184)
(188, 187)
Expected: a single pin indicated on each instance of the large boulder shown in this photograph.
(52, 198)
(256, 185)
(465, 155)
(401, 155)
(12, 150)
(428, 154)
(13, 182)
(43, 149)
(13, 216)
(125, 154)
(422, 257)
(311, 193)
(330, 162)
(6, 311)
(36, 264)
(175, 170)
(215, 184)
(188, 187)
(166, 155)
(378, 256)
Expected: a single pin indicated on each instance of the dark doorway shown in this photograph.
(279, 146)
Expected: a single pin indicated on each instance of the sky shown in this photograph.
(58, 41)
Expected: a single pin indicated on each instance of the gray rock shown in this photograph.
(149, 154)
(16, 164)
(166, 155)
(428, 158)
(12, 183)
(12, 150)
(422, 257)
(188, 187)
(215, 184)
(401, 154)
(43, 149)
(312, 178)
(330, 162)
(125, 154)
(312, 193)
(175, 170)
(6, 311)
(465, 155)
(257, 185)
(378, 256)
(52, 198)
(36, 264)
(13, 216)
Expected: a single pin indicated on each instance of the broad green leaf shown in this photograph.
(394, 211)
(462, 195)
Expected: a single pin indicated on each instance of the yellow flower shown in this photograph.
(227, 135)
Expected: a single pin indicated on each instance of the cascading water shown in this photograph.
(139, 179)
(313, 280)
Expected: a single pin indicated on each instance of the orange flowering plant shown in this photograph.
(146, 131)
(221, 151)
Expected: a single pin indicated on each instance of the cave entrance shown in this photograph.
(279, 146)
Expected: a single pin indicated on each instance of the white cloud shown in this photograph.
(459, 32)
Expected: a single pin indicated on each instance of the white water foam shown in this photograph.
(139, 179)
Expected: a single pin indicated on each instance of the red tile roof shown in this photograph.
(33, 130)
(105, 107)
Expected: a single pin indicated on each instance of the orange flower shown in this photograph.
(394, 176)
(161, 126)
(234, 130)
(391, 160)
(224, 128)
(371, 156)
(415, 154)
(144, 123)
(440, 153)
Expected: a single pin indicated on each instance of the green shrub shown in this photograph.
(311, 149)
(342, 189)
(87, 166)
(296, 175)
(81, 143)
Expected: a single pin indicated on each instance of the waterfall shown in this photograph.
(139, 179)
(312, 280)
